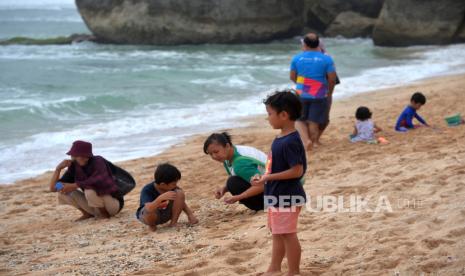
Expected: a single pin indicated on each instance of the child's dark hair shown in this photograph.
(220, 138)
(166, 173)
(418, 97)
(285, 101)
(363, 113)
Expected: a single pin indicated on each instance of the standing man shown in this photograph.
(315, 77)
(330, 97)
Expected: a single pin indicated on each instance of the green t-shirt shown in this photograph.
(246, 162)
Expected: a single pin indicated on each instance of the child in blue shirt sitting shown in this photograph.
(404, 123)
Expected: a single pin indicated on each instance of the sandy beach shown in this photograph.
(421, 173)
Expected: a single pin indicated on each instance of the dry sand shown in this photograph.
(422, 174)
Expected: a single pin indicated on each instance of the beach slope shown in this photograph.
(421, 174)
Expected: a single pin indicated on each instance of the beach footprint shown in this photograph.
(432, 243)
(17, 211)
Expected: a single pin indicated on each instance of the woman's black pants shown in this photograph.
(237, 185)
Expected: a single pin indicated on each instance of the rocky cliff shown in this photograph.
(166, 22)
(413, 22)
(321, 14)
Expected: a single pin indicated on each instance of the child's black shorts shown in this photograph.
(163, 215)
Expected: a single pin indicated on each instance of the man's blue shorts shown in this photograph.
(314, 110)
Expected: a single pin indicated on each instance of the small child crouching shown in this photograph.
(162, 200)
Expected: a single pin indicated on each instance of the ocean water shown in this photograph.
(133, 101)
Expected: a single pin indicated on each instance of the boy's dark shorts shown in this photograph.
(314, 110)
(163, 215)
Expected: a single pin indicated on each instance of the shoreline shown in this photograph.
(138, 132)
(247, 121)
(425, 167)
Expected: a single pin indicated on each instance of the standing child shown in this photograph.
(284, 194)
(404, 123)
(162, 201)
(365, 128)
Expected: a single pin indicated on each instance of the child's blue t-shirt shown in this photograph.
(147, 194)
(312, 68)
(286, 152)
(405, 120)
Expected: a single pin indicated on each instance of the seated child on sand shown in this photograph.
(364, 128)
(162, 200)
(404, 123)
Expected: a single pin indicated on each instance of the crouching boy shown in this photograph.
(162, 200)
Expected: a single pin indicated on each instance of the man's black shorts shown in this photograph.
(314, 110)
